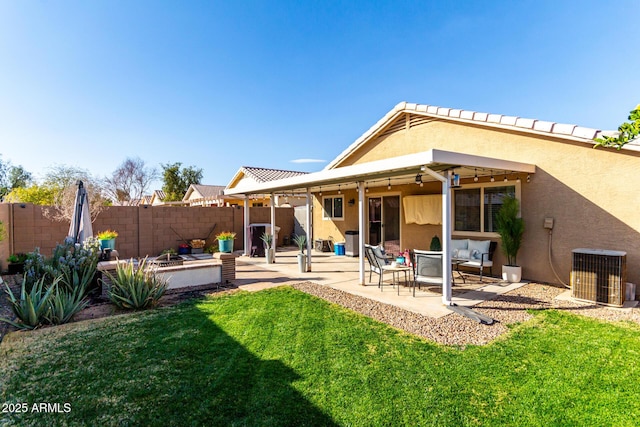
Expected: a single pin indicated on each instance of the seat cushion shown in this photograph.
(478, 247)
(457, 244)
(476, 263)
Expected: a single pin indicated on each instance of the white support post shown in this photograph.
(361, 228)
(309, 227)
(247, 229)
(273, 226)
(446, 239)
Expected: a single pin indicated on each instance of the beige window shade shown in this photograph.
(423, 210)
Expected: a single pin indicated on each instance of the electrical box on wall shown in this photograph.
(548, 223)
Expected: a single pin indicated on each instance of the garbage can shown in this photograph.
(352, 243)
(339, 248)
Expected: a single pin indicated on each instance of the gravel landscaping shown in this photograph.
(452, 329)
(458, 330)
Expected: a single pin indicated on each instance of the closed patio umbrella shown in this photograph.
(80, 228)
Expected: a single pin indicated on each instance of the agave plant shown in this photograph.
(301, 241)
(135, 287)
(32, 307)
(64, 304)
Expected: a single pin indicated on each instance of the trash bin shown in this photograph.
(352, 243)
(339, 248)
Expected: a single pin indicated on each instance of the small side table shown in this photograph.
(395, 275)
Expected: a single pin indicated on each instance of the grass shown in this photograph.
(281, 357)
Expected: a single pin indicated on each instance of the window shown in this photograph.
(332, 207)
(475, 208)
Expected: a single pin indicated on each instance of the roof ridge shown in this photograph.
(560, 130)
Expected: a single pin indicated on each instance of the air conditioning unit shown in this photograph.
(599, 276)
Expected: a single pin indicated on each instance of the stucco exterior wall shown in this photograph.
(592, 194)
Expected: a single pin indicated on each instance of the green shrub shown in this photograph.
(33, 306)
(135, 287)
(64, 304)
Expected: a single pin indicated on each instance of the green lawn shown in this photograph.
(282, 357)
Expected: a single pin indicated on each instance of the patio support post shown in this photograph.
(273, 225)
(361, 228)
(247, 243)
(446, 239)
(308, 228)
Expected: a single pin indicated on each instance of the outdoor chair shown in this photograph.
(427, 267)
(377, 259)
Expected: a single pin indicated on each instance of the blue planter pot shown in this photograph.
(108, 244)
(225, 246)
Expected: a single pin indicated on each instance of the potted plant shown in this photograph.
(225, 241)
(197, 246)
(269, 252)
(16, 263)
(301, 241)
(107, 239)
(510, 227)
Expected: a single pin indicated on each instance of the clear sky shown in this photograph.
(222, 84)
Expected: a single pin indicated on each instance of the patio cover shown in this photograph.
(433, 165)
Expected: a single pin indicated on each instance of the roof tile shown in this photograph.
(508, 120)
(480, 117)
(563, 128)
(455, 112)
(432, 109)
(543, 126)
(494, 118)
(466, 114)
(582, 132)
(525, 123)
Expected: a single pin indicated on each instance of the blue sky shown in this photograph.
(220, 84)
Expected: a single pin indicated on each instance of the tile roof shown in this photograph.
(265, 175)
(209, 191)
(159, 194)
(561, 130)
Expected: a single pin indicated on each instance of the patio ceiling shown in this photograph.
(401, 170)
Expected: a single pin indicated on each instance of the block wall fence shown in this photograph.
(142, 230)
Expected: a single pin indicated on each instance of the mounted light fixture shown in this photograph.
(456, 181)
(475, 178)
(505, 177)
(351, 202)
(320, 190)
(366, 189)
(492, 178)
(528, 178)
(389, 186)
(518, 179)
(339, 192)
(419, 179)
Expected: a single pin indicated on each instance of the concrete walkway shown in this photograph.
(341, 272)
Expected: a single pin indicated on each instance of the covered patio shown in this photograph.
(444, 167)
(342, 273)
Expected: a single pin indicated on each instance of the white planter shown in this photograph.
(511, 274)
(302, 263)
(271, 255)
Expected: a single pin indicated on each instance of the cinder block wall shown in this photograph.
(144, 230)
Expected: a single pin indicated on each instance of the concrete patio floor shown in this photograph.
(341, 272)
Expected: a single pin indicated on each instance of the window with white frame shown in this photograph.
(475, 208)
(333, 207)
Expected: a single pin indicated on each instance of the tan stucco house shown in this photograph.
(383, 183)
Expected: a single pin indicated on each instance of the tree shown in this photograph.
(12, 177)
(18, 177)
(627, 132)
(177, 181)
(64, 180)
(36, 194)
(129, 182)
